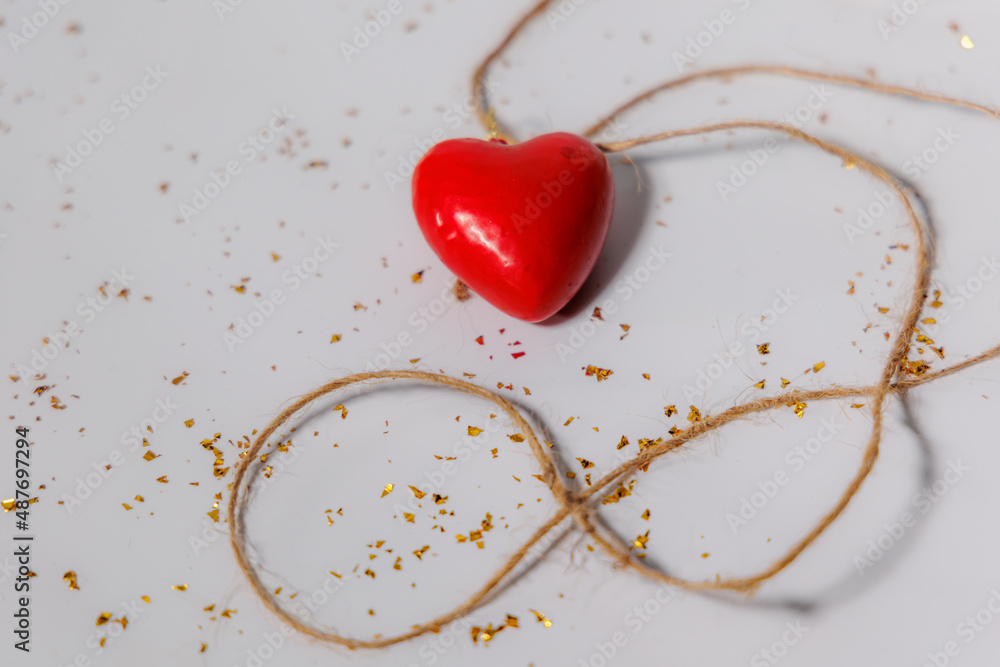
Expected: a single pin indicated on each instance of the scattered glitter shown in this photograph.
(473, 431)
(763, 348)
(967, 43)
(70, 578)
(103, 619)
(417, 492)
(387, 490)
(182, 587)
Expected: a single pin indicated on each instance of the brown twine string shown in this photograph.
(580, 504)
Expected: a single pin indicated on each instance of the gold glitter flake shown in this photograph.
(179, 378)
(763, 348)
(541, 618)
(149, 455)
(335, 338)
(189, 423)
(645, 515)
(511, 621)
(785, 383)
(585, 463)
(369, 573)
(9, 505)
(473, 431)
(517, 437)
(417, 492)
(181, 587)
(760, 385)
(623, 443)
(670, 410)
(601, 373)
(694, 415)
(640, 541)
(70, 578)
(818, 367)
(387, 490)
(967, 43)
(419, 553)
(103, 619)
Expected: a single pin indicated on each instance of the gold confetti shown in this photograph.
(335, 338)
(601, 373)
(417, 492)
(387, 490)
(542, 618)
(370, 573)
(645, 515)
(511, 621)
(210, 607)
(214, 514)
(967, 43)
(409, 517)
(763, 348)
(103, 619)
(126, 506)
(417, 277)
(179, 378)
(670, 410)
(145, 598)
(640, 541)
(181, 587)
(818, 367)
(189, 423)
(517, 437)
(9, 505)
(785, 383)
(70, 578)
(149, 455)
(760, 385)
(228, 613)
(569, 421)
(419, 553)
(473, 431)
(585, 463)
(694, 415)
(623, 443)
(162, 480)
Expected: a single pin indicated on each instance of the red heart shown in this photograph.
(521, 225)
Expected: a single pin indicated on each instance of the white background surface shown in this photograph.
(783, 231)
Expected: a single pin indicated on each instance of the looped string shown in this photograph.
(581, 504)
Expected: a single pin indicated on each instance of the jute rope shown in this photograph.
(580, 505)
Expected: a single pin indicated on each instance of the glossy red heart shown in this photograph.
(521, 225)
